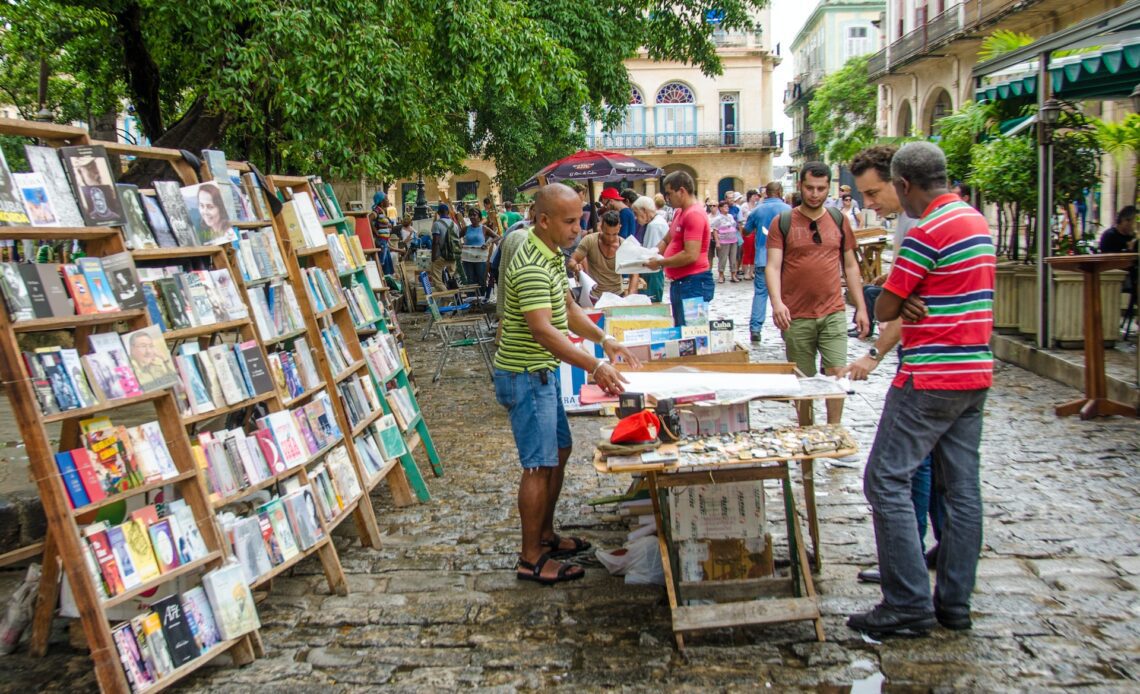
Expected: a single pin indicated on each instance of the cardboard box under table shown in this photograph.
(736, 573)
(704, 417)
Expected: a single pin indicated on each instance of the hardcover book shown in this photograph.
(76, 494)
(120, 270)
(92, 176)
(37, 199)
(16, 296)
(45, 161)
(170, 198)
(231, 601)
(150, 359)
(176, 630)
(51, 280)
(93, 480)
(200, 617)
(156, 220)
(101, 294)
(11, 206)
(135, 230)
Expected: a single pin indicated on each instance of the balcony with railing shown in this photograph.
(935, 31)
(739, 39)
(803, 144)
(730, 139)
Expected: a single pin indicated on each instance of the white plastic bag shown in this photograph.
(639, 561)
(18, 612)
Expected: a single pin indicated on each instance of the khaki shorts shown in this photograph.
(826, 336)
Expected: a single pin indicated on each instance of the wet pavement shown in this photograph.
(438, 607)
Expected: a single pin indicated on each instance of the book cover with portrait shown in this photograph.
(94, 183)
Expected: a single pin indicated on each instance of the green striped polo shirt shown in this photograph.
(534, 279)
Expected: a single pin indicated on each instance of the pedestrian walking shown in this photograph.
(757, 224)
(725, 234)
(936, 402)
(539, 314)
(685, 248)
(445, 246)
(808, 247)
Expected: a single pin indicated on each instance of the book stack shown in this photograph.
(275, 310)
(359, 398)
(88, 286)
(293, 370)
(274, 532)
(346, 252)
(143, 547)
(400, 402)
(361, 306)
(383, 356)
(379, 442)
(219, 376)
(258, 256)
(320, 285)
(336, 348)
(113, 459)
(233, 460)
(335, 484)
(302, 223)
(178, 298)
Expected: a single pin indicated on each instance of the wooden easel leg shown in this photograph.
(807, 471)
(366, 526)
(1070, 408)
(799, 557)
(429, 446)
(412, 471)
(398, 485)
(243, 652)
(46, 598)
(334, 572)
(663, 547)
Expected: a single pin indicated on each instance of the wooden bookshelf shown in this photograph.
(90, 320)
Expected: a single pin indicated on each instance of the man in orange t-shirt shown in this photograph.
(803, 283)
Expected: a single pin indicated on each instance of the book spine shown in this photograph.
(76, 493)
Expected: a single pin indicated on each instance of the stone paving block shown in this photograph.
(1049, 569)
(1128, 565)
(335, 657)
(1005, 585)
(424, 581)
(990, 566)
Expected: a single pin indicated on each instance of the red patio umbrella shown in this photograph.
(593, 165)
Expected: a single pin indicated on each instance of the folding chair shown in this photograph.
(455, 331)
(434, 310)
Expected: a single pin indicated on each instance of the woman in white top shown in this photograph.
(726, 233)
(850, 210)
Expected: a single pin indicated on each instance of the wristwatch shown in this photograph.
(874, 354)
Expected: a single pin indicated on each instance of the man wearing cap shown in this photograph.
(614, 201)
(445, 246)
(539, 314)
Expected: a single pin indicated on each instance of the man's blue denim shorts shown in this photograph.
(538, 419)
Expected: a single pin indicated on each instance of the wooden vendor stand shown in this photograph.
(741, 599)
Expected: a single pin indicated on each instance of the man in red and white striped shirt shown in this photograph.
(942, 285)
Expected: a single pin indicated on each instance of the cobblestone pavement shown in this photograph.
(438, 606)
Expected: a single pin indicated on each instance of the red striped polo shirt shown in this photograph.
(948, 260)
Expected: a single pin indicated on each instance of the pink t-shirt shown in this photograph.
(689, 223)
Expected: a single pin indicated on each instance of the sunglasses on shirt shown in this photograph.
(815, 233)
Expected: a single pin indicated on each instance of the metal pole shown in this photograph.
(1044, 203)
(421, 209)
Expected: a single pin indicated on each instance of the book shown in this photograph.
(177, 308)
(40, 384)
(77, 286)
(231, 601)
(270, 540)
(153, 309)
(150, 626)
(116, 376)
(289, 440)
(16, 296)
(139, 673)
(200, 617)
(176, 630)
(147, 514)
(228, 297)
(92, 480)
(209, 211)
(165, 551)
(142, 554)
(343, 475)
(270, 451)
(279, 519)
(76, 493)
(37, 200)
(135, 230)
(187, 537)
(169, 195)
(156, 220)
(127, 573)
(391, 440)
(124, 281)
(51, 361)
(721, 336)
(301, 508)
(11, 205)
(249, 548)
(96, 536)
(150, 359)
(101, 294)
(91, 174)
(59, 303)
(45, 161)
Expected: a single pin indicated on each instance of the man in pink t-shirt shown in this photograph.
(685, 247)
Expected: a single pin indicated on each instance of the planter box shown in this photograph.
(1025, 278)
(1005, 298)
(1068, 314)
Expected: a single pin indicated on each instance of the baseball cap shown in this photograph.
(442, 208)
(611, 194)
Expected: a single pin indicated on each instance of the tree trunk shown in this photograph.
(195, 131)
(1001, 229)
(1014, 238)
(143, 79)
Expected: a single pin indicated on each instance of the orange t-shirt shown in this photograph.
(809, 276)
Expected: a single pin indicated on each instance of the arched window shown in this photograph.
(676, 116)
(631, 133)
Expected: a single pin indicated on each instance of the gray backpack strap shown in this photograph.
(837, 217)
(785, 223)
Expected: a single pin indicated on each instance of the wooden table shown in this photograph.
(1096, 402)
(869, 253)
(743, 606)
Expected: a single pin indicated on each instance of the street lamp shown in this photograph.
(1135, 97)
(421, 209)
(1050, 112)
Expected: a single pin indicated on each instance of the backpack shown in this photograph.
(449, 246)
(836, 216)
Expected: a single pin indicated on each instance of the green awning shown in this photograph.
(1104, 74)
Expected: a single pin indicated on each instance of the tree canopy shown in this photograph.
(842, 111)
(353, 87)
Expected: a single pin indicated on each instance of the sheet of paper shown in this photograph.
(585, 298)
(728, 386)
(609, 299)
(631, 257)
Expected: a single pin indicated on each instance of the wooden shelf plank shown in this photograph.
(176, 252)
(193, 665)
(77, 321)
(356, 430)
(333, 222)
(227, 410)
(203, 330)
(21, 554)
(255, 224)
(266, 280)
(305, 252)
(58, 233)
(304, 394)
(331, 310)
(134, 491)
(25, 128)
(767, 611)
(286, 565)
(263, 484)
(345, 513)
(348, 371)
(161, 578)
(286, 336)
(382, 473)
(103, 407)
